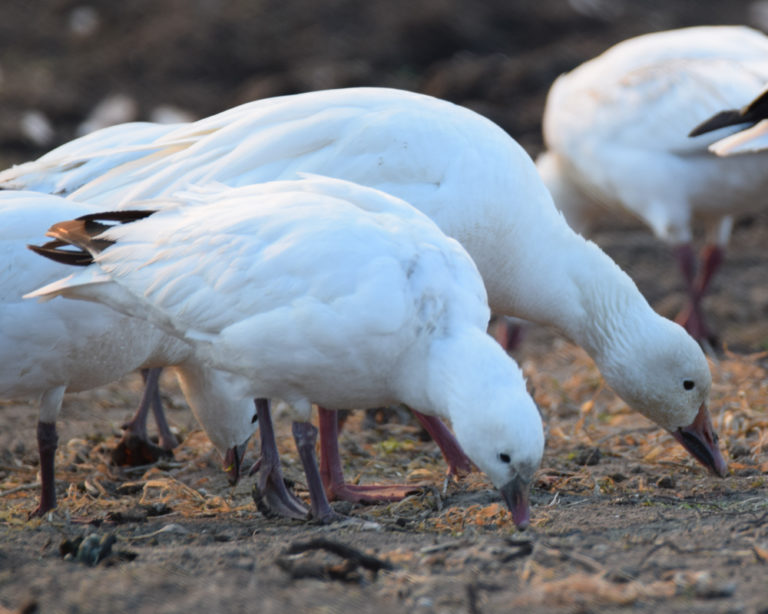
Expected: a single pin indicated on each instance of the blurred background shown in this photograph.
(68, 67)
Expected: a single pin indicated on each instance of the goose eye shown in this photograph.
(255, 417)
(504, 458)
(688, 384)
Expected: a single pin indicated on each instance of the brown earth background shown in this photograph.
(623, 519)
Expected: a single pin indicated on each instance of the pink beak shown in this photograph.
(700, 439)
(515, 494)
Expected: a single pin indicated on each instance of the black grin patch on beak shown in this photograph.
(694, 445)
(700, 440)
(232, 461)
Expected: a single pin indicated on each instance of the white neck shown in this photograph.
(471, 381)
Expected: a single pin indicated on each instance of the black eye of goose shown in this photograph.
(688, 384)
(255, 417)
(504, 458)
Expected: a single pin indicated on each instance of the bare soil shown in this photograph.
(623, 518)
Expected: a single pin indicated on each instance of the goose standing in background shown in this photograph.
(47, 349)
(320, 291)
(616, 135)
(482, 189)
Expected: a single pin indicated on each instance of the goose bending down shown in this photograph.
(320, 291)
(751, 138)
(482, 189)
(616, 133)
(47, 349)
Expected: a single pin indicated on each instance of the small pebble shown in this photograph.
(587, 456)
(666, 482)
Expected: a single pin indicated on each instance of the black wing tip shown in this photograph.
(754, 112)
(54, 250)
(71, 249)
(723, 119)
(758, 108)
(124, 217)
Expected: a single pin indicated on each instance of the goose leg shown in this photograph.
(697, 279)
(305, 436)
(270, 493)
(333, 475)
(135, 448)
(47, 442)
(458, 462)
(507, 333)
(166, 439)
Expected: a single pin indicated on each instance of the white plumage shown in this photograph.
(322, 291)
(750, 140)
(49, 348)
(480, 187)
(616, 132)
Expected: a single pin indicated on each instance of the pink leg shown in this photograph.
(697, 282)
(333, 475)
(269, 492)
(711, 259)
(509, 336)
(166, 439)
(458, 462)
(47, 441)
(305, 436)
(135, 448)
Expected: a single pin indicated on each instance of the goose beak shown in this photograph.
(700, 439)
(232, 461)
(515, 493)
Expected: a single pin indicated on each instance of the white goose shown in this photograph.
(49, 348)
(616, 131)
(322, 291)
(750, 139)
(481, 188)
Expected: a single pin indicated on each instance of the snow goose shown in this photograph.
(616, 132)
(482, 189)
(322, 291)
(49, 348)
(750, 139)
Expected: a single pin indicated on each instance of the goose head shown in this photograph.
(494, 418)
(507, 451)
(660, 371)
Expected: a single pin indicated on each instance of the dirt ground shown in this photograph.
(623, 520)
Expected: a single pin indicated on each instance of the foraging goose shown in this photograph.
(47, 349)
(616, 132)
(482, 189)
(321, 291)
(750, 139)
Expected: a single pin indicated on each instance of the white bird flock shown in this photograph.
(457, 167)
(616, 132)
